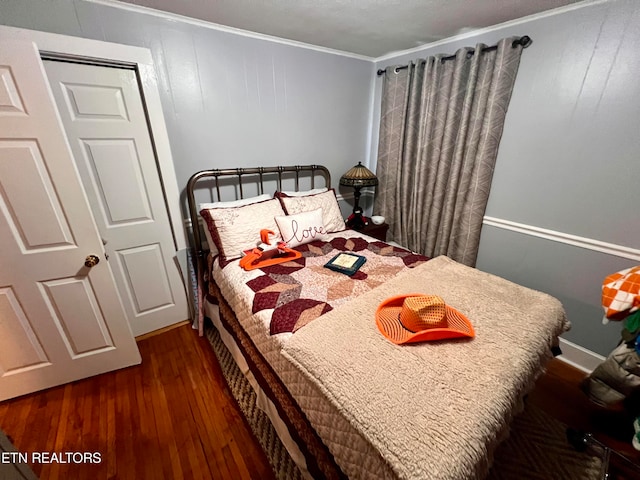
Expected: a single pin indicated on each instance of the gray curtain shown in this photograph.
(441, 123)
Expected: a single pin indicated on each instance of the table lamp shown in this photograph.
(358, 177)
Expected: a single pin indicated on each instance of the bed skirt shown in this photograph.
(298, 436)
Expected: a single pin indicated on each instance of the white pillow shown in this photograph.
(302, 228)
(313, 191)
(331, 215)
(236, 229)
(231, 204)
(236, 203)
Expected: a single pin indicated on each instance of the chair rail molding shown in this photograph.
(566, 238)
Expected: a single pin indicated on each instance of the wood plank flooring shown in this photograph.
(558, 393)
(172, 417)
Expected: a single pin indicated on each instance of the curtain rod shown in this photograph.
(525, 41)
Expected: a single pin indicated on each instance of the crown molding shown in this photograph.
(223, 28)
(492, 28)
(374, 60)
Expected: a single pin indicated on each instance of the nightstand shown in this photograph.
(376, 231)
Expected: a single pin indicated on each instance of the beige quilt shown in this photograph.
(433, 410)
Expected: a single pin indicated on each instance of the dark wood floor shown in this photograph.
(172, 417)
(558, 393)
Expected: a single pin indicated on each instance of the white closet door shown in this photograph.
(104, 118)
(59, 319)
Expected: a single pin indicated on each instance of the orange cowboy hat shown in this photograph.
(418, 318)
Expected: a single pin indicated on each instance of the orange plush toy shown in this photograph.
(267, 254)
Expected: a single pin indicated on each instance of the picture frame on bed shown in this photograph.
(347, 263)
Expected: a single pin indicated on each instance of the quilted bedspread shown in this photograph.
(433, 410)
(301, 290)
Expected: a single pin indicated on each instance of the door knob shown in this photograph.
(91, 261)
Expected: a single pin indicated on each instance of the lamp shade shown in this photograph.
(359, 176)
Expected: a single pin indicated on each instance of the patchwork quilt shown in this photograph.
(301, 290)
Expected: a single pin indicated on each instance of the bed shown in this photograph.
(345, 401)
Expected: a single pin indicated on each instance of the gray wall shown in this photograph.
(569, 159)
(230, 100)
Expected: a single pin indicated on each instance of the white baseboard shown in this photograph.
(579, 357)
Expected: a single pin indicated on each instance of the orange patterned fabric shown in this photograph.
(621, 293)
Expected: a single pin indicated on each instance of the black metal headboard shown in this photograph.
(257, 177)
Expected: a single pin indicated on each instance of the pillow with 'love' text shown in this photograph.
(301, 228)
(333, 221)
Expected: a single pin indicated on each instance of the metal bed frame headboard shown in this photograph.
(258, 174)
